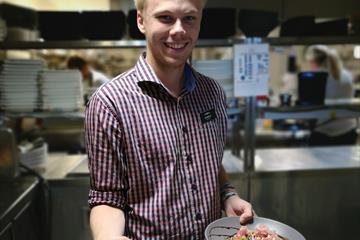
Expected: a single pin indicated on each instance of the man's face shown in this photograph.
(171, 28)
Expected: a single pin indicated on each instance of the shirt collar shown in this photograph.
(189, 83)
(146, 74)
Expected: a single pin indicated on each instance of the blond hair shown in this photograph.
(140, 4)
(326, 58)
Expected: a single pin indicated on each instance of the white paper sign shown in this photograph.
(251, 69)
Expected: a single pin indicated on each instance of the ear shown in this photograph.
(140, 22)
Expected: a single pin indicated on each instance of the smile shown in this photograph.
(175, 45)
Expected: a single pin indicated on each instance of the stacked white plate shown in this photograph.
(35, 158)
(19, 84)
(219, 70)
(61, 90)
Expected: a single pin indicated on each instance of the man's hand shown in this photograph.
(235, 206)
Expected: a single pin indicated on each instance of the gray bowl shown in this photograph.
(228, 226)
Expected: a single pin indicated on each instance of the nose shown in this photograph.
(177, 28)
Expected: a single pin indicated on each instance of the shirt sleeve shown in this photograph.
(107, 165)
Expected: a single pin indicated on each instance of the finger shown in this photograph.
(230, 213)
(254, 213)
(247, 215)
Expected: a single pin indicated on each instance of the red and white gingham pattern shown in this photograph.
(151, 155)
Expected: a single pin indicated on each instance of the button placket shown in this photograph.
(187, 162)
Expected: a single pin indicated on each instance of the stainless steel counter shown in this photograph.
(329, 110)
(60, 164)
(298, 159)
(266, 160)
(315, 158)
(312, 189)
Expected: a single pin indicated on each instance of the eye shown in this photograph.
(165, 18)
(189, 18)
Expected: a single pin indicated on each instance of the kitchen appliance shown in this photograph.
(228, 226)
(311, 88)
(9, 164)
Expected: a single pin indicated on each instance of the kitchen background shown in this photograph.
(311, 189)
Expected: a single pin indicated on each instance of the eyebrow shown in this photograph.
(170, 12)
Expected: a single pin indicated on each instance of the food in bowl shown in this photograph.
(261, 232)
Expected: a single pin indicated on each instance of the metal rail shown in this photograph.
(86, 44)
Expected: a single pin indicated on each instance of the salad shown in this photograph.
(261, 232)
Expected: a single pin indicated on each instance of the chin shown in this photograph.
(176, 62)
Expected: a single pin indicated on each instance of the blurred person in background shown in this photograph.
(91, 78)
(339, 85)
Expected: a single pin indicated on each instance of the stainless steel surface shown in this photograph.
(85, 44)
(249, 134)
(321, 204)
(218, 227)
(69, 209)
(315, 190)
(64, 115)
(298, 159)
(9, 161)
(60, 164)
(311, 112)
(80, 170)
(311, 158)
(266, 160)
(285, 41)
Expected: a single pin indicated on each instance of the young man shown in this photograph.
(155, 138)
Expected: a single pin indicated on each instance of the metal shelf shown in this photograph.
(81, 44)
(52, 114)
(85, 44)
(311, 112)
(285, 41)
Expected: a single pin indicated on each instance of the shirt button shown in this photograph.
(189, 159)
(184, 129)
(194, 187)
(198, 216)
